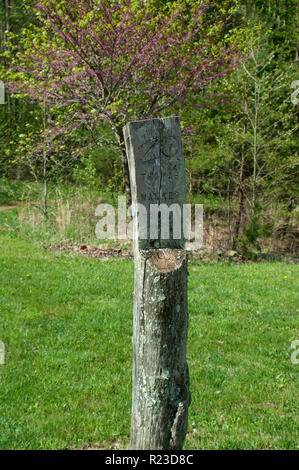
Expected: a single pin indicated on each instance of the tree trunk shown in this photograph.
(126, 177)
(45, 170)
(45, 200)
(160, 373)
(126, 174)
(241, 183)
(240, 200)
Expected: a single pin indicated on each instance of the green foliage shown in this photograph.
(10, 191)
(255, 229)
(86, 173)
(218, 122)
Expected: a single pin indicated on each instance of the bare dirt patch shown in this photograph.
(6, 208)
(113, 445)
(205, 255)
(94, 251)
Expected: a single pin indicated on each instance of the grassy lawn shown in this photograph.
(66, 322)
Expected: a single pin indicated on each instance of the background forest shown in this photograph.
(241, 148)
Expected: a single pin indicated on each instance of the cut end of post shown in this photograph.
(167, 260)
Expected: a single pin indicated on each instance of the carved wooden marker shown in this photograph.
(160, 373)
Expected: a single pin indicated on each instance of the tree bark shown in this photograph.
(126, 173)
(240, 200)
(160, 373)
(241, 182)
(126, 177)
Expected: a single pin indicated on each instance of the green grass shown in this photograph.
(71, 211)
(66, 322)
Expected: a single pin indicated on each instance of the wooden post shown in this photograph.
(161, 394)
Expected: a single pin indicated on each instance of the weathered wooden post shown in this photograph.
(161, 394)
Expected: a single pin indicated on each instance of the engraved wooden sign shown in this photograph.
(161, 394)
(157, 173)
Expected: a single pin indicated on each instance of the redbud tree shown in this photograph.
(113, 61)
